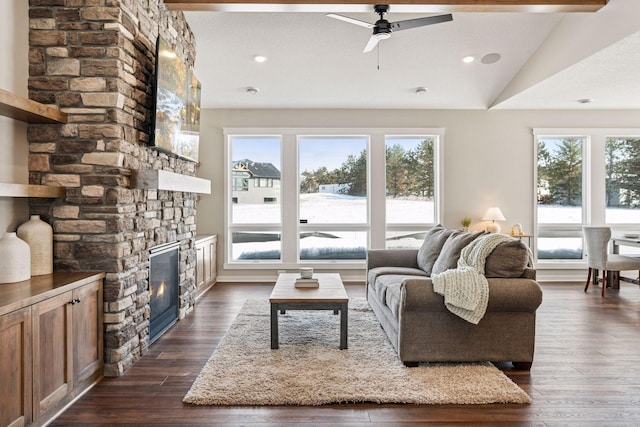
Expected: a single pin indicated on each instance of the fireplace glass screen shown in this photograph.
(163, 289)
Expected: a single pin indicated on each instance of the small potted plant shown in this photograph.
(466, 222)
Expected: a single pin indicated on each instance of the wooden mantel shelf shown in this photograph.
(26, 110)
(149, 179)
(29, 190)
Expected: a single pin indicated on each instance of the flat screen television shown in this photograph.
(176, 127)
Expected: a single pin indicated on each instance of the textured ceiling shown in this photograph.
(547, 60)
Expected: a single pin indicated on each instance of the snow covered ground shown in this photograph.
(321, 208)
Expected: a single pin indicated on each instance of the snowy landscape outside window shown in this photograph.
(622, 157)
(332, 197)
(320, 196)
(410, 189)
(255, 223)
(560, 198)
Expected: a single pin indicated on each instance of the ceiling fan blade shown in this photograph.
(373, 41)
(350, 20)
(420, 22)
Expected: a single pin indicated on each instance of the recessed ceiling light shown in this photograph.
(468, 59)
(585, 101)
(490, 58)
(421, 90)
(260, 58)
(252, 90)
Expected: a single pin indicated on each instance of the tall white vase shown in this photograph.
(15, 259)
(39, 235)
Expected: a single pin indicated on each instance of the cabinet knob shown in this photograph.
(74, 301)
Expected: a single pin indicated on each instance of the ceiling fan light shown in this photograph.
(383, 36)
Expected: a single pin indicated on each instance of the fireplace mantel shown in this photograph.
(149, 179)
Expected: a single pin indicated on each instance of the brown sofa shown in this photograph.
(422, 329)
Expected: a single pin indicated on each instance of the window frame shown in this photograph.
(375, 227)
(593, 184)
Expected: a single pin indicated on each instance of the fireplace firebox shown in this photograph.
(163, 288)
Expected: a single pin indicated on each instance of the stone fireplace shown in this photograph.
(95, 61)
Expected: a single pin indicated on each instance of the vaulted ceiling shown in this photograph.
(547, 60)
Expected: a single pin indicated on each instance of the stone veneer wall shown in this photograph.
(94, 59)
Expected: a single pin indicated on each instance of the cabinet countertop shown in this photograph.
(14, 296)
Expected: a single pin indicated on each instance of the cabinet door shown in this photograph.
(52, 352)
(87, 332)
(15, 368)
(211, 260)
(200, 261)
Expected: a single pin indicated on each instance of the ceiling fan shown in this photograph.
(382, 29)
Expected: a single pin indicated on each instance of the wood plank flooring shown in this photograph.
(586, 373)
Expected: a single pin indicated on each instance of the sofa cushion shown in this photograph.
(451, 249)
(431, 247)
(390, 283)
(509, 259)
(374, 273)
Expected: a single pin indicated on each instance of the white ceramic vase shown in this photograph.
(16, 259)
(39, 235)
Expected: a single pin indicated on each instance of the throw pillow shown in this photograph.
(430, 249)
(450, 253)
(508, 259)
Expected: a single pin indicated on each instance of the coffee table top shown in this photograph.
(330, 289)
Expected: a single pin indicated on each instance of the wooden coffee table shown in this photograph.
(330, 295)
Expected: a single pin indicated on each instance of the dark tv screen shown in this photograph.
(177, 105)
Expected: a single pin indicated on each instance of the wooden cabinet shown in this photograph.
(53, 327)
(26, 110)
(52, 350)
(15, 368)
(206, 269)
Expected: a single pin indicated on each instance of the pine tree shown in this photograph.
(565, 173)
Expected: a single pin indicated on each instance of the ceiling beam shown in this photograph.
(423, 6)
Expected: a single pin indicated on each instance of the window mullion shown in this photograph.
(376, 191)
(289, 204)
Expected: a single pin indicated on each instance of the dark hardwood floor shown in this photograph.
(586, 372)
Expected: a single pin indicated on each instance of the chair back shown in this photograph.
(596, 241)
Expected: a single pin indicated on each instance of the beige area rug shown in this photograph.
(310, 369)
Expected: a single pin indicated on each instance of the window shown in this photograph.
(320, 196)
(410, 189)
(584, 176)
(240, 181)
(560, 197)
(622, 157)
(254, 215)
(263, 182)
(332, 197)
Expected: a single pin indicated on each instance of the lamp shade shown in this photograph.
(493, 214)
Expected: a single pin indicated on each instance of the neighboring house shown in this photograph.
(334, 188)
(254, 182)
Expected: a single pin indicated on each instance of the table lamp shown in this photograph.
(493, 214)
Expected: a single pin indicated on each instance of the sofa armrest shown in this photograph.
(418, 295)
(392, 258)
(529, 273)
(506, 295)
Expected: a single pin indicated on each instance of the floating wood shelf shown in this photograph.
(26, 110)
(28, 190)
(149, 179)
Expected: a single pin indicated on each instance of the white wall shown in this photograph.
(14, 44)
(488, 157)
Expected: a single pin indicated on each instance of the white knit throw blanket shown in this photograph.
(465, 289)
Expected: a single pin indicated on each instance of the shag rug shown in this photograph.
(310, 369)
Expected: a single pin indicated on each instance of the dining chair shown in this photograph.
(598, 256)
